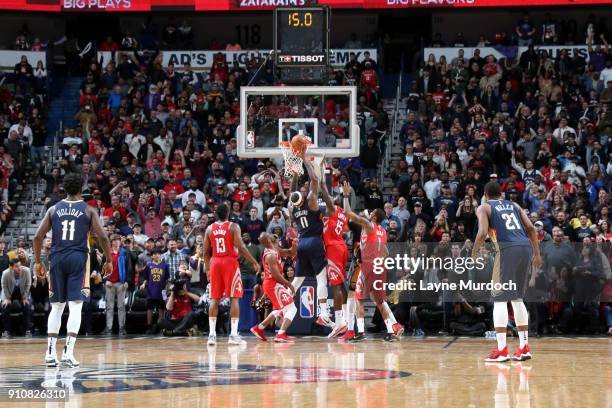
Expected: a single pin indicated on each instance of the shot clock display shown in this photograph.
(301, 36)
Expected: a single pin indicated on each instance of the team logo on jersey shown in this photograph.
(307, 302)
(111, 378)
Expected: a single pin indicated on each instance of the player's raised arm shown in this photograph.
(482, 212)
(533, 237)
(329, 203)
(239, 244)
(363, 222)
(98, 230)
(313, 194)
(39, 237)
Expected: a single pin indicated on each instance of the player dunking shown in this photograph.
(373, 245)
(311, 260)
(224, 240)
(277, 288)
(70, 221)
(516, 242)
(337, 256)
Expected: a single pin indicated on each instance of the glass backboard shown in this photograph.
(326, 115)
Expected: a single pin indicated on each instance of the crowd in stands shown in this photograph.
(157, 150)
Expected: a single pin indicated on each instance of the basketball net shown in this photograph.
(294, 164)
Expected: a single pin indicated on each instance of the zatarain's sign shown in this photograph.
(97, 4)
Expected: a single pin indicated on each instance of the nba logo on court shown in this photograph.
(307, 304)
(250, 139)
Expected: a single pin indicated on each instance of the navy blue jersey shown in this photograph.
(309, 223)
(70, 227)
(506, 227)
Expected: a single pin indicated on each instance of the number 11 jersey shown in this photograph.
(70, 228)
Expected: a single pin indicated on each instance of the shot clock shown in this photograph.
(301, 37)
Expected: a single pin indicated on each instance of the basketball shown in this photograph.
(299, 144)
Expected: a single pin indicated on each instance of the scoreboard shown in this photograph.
(301, 37)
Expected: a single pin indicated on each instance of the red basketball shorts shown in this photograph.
(225, 280)
(278, 294)
(337, 256)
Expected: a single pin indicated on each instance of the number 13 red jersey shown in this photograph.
(222, 240)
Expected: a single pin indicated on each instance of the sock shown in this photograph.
(234, 325)
(360, 325)
(350, 314)
(51, 342)
(339, 318)
(344, 310)
(389, 313)
(261, 326)
(324, 310)
(501, 340)
(212, 323)
(69, 349)
(523, 338)
(389, 325)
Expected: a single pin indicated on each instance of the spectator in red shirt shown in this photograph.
(369, 77)
(173, 185)
(180, 305)
(115, 207)
(109, 45)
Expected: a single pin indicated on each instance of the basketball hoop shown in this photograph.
(293, 162)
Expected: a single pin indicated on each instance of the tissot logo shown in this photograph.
(301, 59)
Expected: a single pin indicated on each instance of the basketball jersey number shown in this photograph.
(68, 228)
(511, 222)
(304, 222)
(339, 227)
(220, 242)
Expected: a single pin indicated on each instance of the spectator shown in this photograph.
(117, 285)
(156, 276)
(16, 285)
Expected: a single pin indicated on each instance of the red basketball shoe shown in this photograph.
(258, 333)
(499, 355)
(398, 329)
(522, 354)
(284, 338)
(348, 335)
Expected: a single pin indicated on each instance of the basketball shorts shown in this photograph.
(225, 279)
(337, 256)
(310, 257)
(370, 284)
(511, 268)
(69, 277)
(278, 294)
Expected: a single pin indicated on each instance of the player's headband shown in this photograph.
(296, 198)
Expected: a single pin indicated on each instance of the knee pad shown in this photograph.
(54, 321)
(322, 285)
(500, 314)
(289, 311)
(74, 317)
(521, 316)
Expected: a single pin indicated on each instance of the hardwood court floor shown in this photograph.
(428, 372)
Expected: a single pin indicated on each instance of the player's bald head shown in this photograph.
(265, 238)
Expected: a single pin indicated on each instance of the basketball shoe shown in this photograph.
(324, 321)
(349, 334)
(284, 338)
(498, 355)
(398, 329)
(212, 339)
(522, 354)
(357, 338)
(338, 331)
(51, 359)
(257, 332)
(390, 338)
(69, 360)
(235, 340)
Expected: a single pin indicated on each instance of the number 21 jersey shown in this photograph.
(506, 227)
(70, 227)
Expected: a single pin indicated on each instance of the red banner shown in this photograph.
(223, 5)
